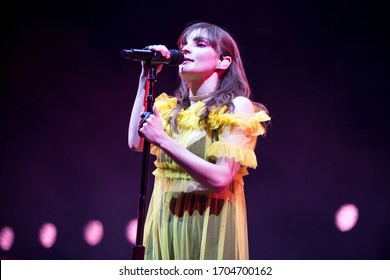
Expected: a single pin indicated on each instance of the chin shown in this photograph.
(184, 73)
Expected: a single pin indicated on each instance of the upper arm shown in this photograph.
(243, 105)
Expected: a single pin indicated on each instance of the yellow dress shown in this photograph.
(186, 221)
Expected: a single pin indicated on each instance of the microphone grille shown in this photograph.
(177, 58)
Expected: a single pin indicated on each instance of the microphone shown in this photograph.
(152, 57)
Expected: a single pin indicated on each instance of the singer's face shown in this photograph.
(201, 59)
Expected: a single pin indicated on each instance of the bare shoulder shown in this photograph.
(243, 105)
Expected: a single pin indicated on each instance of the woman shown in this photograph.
(204, 139)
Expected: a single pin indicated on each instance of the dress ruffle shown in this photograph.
(249, 122)
(165, 103)
(242, 155)
(218, 118)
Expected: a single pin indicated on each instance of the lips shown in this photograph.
(188, 59)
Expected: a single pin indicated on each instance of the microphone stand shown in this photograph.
(138, 252)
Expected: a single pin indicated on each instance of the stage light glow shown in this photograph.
(93, 232)
(47, 235)
(131, 231)
(7, 238)
(346, 217)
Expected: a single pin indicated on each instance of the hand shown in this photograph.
(163, 50)
(151, 128)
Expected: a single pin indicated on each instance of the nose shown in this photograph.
(185, 49)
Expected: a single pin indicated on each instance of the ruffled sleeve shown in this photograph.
(236, 135)
(165, 105)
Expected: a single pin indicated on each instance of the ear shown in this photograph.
(224, 63)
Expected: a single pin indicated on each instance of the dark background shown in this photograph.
(321, 68)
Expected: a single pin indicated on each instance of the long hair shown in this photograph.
(231, 84)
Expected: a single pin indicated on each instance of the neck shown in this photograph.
(202, 90)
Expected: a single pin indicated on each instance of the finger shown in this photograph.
(140, 132)
(155, 111)
(163, 50)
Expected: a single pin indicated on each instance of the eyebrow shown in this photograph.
(201, 38)
(196, 39)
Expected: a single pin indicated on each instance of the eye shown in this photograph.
(202, 44)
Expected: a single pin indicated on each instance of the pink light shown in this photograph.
(346, 217)
(47, 235)
(7, 238)
(131, 231)
(93, 232)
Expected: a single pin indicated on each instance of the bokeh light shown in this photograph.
(131, 231)
(7, 238)
(93, 232)
(346, 217)
(47, 235)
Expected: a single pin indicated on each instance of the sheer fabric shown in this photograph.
(186, 221)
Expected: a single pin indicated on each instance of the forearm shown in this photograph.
(215, 177)
(135, 142)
